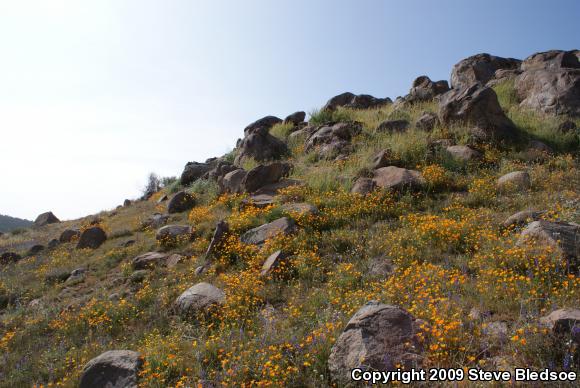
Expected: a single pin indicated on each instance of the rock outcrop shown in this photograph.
(480, 68)
(353, 101)
(46, 219)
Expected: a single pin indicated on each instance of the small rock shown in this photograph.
(53, 243)
(463, 153)
(262, 233)
(199, 297)
(173, 234)
(397, 178)
(148, 260)
(112, 369)
(567, 126)
(127, 203)
(384, 158)
(265, 174)
(155, 221)
(301, 208)
(516, 180)
(35, 249)
(193, 171)
(232, 181)
(497, 331)
(92, 238)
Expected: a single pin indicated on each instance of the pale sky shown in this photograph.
(94, 95)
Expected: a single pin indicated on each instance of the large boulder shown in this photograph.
(92, 238)
(562, 236)
(69, 234)
(193, 171)
(261, 146)
(350, 100)
(264, 232)
(423, 89)
(564, 322)
(265, 174)
(45, 219)
(479, 68)
(199, 298)
(378, 337)
(478, 106)
(515, 180)
(333, 138)
(550, 82)
(295, 118)
(397, 178)
(221, 168)
(181, 202)
(263, 124)
(232, 181)
(112, 369)
(173, 234)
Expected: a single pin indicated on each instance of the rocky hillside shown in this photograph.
(8, 223)
(436, 230)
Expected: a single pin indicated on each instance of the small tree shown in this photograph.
(153, 186)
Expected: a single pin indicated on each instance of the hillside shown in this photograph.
(8, 223)
(441, 226)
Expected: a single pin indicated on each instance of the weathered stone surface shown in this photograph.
(112, 369)
(193, 171)
(463, 153)
(198, 298)
(272, 262)
(384, 158)
(171, 234)
(264, 232)
(564, 322)
(92, 238)
(522, 218)
(155, 221)
(560, 235)
(363, 186)
(263, 124)
(332, 139)
(301, 208)
(181, 202)
(259, 144)
(480, 68)
(148, 260)
(260, 201)
(69, 234)
(423, 89)
(265, 174)
(295, 118)
(350, 100)
(478, 106)
(174, 259)
(45, 219)
(515, 180)
(496, 331)
(397, 178)
(390, 126)
(9, 257)
(377, 337)
(232, 181)
(427, 121)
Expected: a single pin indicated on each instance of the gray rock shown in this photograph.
(92, 238)
(397, 178)
(564, 322)
(260, 201)
(463, 153)
(377, 337)
(46, 219)
(148, 260)
(198, 298)
(301, 208)
(193, 171)
(522, 218)
(264, 232)
(515, 180)
(181, 202)
(155, 221)
(174, 259)
(272, 262)
(363, 186)
(560, 235)
(295, 118)
(423, 89)
(69, 234)
(232, 181)
(35, 249)
(173, 234)
(332, 139)
(265, 174)
(263, 124)
(427, 121)
(260, 145)
(480, 68)
(496, 331)
(390, 126)
(350, 100)
(127, 203)
(112, 369)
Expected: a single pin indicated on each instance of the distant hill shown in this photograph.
(8, 223)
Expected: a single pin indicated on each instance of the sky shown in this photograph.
(95, 95)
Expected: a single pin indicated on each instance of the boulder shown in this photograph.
(363, 186)
(265, 174)
(172, 234)
(295, 118)
(381, 267)
(478, 106)
(127, 203)
(148, 260)
(181, 202)
(333, 138)
(45, 219)
(350, 100)
(515, 180)
(220, 169)
(301, 208)
(522, 218)
(174, 259)
(390, 126)
(35, 249)
(76, 276)
(383, 159)
(423, 89)
(480, 68)
(199, 298)
(427, 121)
(397, 178)
(463, 153)
(272, 262)
(69, 235)
(92, 238)
(560, 235)
(193, 171)
(264, 232)
(539, 146)
(378, 337)
(263, 124)
(564, 322)
(232, 181)
(9, 257)
(260, 201)
(155, 221)
(53, 243)
(261, 146)
(112, 369)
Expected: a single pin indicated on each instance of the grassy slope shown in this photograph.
(450, 254)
